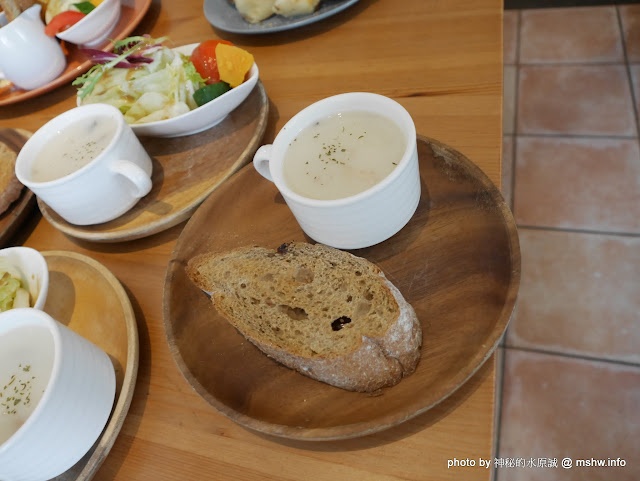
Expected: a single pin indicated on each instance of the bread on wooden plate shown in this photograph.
(324, 312)
(11, 142)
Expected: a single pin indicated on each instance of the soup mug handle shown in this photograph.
(261, 161)
(135, 174)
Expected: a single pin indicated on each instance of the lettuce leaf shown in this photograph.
(9, 285)
(152, 91)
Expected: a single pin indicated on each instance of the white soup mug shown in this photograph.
(75, 383)
(102, 190)
(363, 219)
(29, 57)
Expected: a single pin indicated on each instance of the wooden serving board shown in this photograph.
(185, 171)
(87, 298)
(13, 140)
(457, 262)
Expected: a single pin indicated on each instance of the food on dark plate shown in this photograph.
(255, 11)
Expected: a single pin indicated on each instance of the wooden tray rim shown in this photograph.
(116, 420)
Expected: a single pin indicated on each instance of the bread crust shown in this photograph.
(377, 362)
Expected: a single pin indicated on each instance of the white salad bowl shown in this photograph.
(94, 29)
(31, 268)
(203, 117)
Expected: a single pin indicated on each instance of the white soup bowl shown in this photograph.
(103, 189)
(363, 219)
(74, 407)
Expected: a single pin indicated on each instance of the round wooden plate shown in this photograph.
(19, 210)
(457, 262)
(185, 171)
(87, 298)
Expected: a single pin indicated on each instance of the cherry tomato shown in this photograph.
(63, 21)
(204, 60)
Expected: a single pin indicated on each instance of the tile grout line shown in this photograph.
(568, 355)
(514, 142)
(514, 147)
(579, 136)
(628, 68)
(498, 422)
(608, 63)
(578, 231)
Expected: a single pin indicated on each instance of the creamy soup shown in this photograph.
(343, 155)
(26, 361)
(73, 148)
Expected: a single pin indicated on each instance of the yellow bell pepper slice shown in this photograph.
(233, 63)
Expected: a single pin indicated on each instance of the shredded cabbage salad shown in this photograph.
(145, 80)
(12, 292)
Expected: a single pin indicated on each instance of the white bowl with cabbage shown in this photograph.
(99, 20)
(154, 87)
(24, 278)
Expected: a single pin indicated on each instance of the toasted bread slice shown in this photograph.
(326, 313)
(11, 141)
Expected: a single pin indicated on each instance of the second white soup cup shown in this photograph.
(368, 217)
(75, 403)
(106, 187)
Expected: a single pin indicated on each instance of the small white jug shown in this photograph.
(28, 57)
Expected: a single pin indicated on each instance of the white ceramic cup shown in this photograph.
(364, 219)
(73, 410)
(28, 57)
(103, 189)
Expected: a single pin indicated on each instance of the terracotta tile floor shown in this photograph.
(569, 367)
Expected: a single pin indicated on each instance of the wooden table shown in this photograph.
(443, 62)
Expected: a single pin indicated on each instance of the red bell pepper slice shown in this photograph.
(63, 21)
(204, 60)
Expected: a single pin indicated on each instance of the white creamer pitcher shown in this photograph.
(28, 57)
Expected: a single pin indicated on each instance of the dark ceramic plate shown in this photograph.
(221, 14)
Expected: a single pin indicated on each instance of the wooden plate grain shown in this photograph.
(131, 14)
(87, 298)
(12, 141)
(185, 171)
(457, 262)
